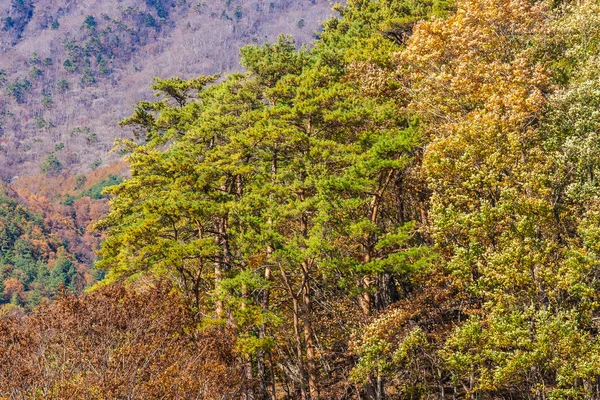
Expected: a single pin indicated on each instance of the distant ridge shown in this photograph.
(70, 70)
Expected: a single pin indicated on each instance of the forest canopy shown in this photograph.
(409, 208)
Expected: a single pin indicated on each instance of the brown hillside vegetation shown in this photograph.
(46, 233)
(70, 70)
(144, 346)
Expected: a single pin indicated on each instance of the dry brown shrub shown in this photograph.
(114, 343)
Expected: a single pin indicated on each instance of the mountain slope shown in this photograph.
(69, 71)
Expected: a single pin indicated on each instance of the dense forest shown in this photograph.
(47, 240)
(59, 57)
(406, 209)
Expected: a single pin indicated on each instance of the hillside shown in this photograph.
(70, 70)
(46, 240)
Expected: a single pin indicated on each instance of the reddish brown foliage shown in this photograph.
(116, 343)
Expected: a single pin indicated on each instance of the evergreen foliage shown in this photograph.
(33, 263)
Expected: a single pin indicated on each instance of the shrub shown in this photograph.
(120, 343)
(51, 165)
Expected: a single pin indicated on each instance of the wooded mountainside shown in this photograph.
(408, 209)
(47, 240)
(70, 70)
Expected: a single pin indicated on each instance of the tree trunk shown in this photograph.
(304, 394)
(219, 310)
(380, 388)
(301, 368)
(374, 388)
(261, 355)
(309, 338)
(249, 379)
(249, 371)
(224, 261)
